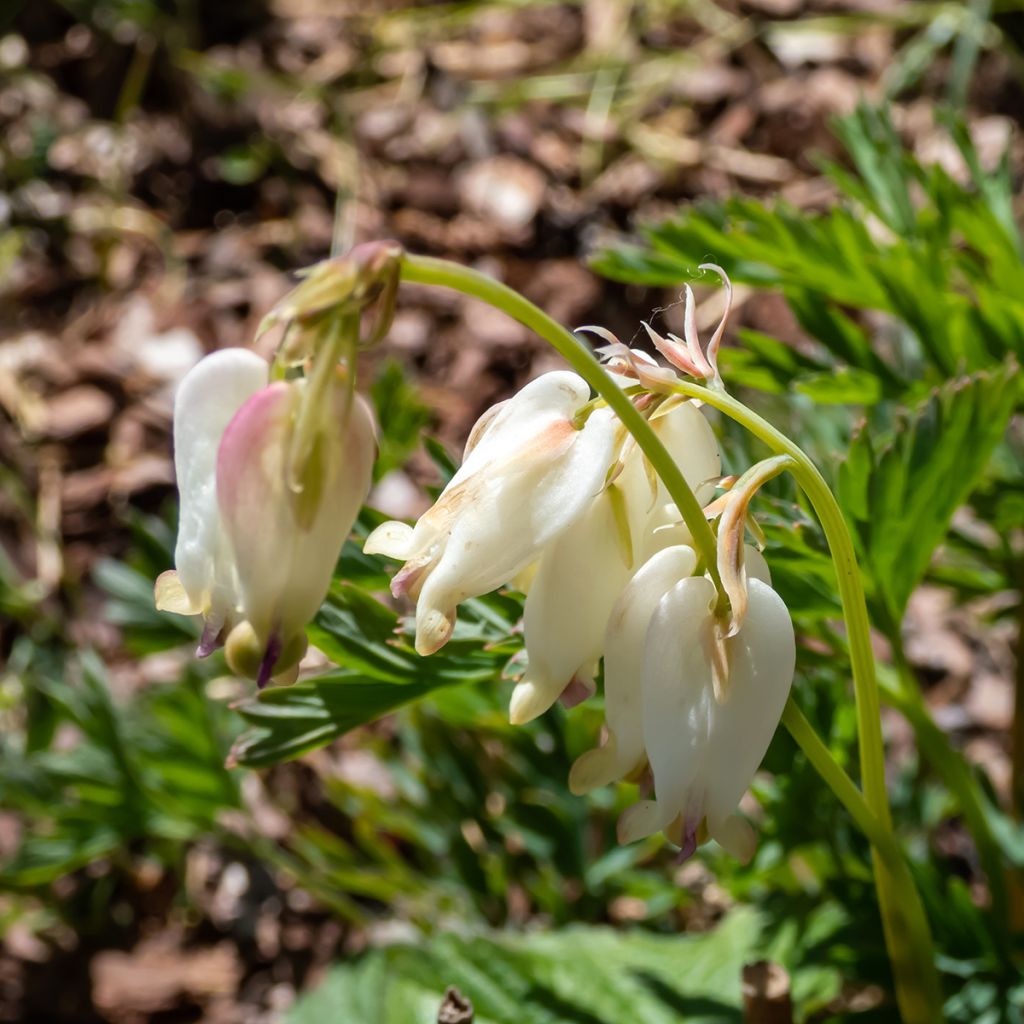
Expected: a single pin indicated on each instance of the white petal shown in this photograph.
(497, 522)
(393, 539)
(551, 398)
(624, 645)
(688, 436)
(579, 576)
(691, 442)
(755, 566)
(762, 660)
(664, 529)
(208, 397)
(315, 551)
(677, 698)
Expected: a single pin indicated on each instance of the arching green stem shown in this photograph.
(908, 936)
(425, 270)
(839, 782)
(906, 928)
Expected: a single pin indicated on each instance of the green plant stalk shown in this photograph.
(808, 740)
(907, 933)
(956, 773)
(426, 270)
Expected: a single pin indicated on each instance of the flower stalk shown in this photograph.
(427, 270)
(908, 936)
(905, 925)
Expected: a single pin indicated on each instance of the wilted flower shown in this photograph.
(684, 353)
(257, 540)
(531, 469)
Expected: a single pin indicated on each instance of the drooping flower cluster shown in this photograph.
(554, 497)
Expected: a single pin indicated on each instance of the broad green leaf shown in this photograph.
(900, 494)
(584, 975)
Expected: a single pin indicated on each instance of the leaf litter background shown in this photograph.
(165, 169)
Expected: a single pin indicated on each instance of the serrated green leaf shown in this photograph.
(584, 975)
(900, 495)
(845, 386)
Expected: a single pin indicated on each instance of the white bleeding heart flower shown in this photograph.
(255, 557)
(665, 713)
(624, 643)
(705, 732)
(581, 574)
(529, 473)
(207, 399)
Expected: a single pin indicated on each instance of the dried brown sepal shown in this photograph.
(363, 278)
(731, 532)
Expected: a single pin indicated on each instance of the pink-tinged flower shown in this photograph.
(530, 471)
(255, 555)
(684, 353)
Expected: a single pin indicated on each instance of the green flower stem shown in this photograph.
(908, 936)
(949, 764)
(839, 782)
(426, 270)
(906, 927)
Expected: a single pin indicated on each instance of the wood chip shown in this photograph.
(79, 410)
(156, 976)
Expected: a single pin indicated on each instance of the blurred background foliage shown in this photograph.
(167, 165)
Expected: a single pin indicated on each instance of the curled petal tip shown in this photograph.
(392, 539)
(169, 595)
(433, 630)
(594, 769)
(638, 822)
(529, 701)
(601, 332)
(737, 837)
